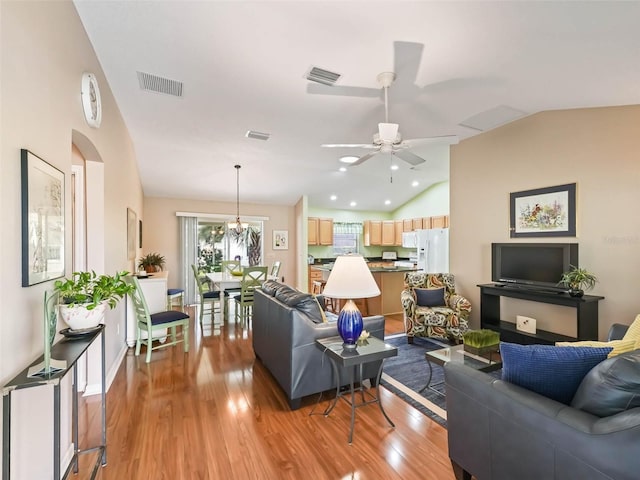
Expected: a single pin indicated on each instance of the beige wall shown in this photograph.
(160, 229)
(597, 149)
(44, 51)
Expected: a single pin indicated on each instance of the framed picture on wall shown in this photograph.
(132, 234)
(544, 212)
(281, 239)
(42, 220)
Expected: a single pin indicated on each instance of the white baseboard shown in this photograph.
(96, 388)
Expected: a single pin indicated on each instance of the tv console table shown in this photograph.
(586, 314)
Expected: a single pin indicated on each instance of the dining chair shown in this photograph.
(232, 267)
(275, 270)
(174, 294)
(207, 295)
(252, 278)
(154, 322)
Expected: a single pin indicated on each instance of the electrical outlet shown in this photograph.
(525, 324)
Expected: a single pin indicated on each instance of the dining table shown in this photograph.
(225, 281)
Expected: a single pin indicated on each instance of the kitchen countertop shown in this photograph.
(328, 267)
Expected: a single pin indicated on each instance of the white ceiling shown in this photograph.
(243, 65)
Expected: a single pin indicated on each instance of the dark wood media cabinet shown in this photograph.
(586, 314)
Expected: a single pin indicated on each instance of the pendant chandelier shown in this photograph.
(238, 226)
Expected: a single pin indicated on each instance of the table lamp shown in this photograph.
(350, 278)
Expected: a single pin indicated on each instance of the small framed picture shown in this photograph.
(544, 212)
(281, 239)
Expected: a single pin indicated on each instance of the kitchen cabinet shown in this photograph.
(319, 231)
(398, 227)
(372, 231)
(407, 225)
(388, 234)
(426, 222)
(314, 274)
(417, 223)
(440, 221)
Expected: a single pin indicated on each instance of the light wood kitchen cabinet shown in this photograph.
(312, 231)
(388, 235)
(407, 225)
(372, 231)
(320, 231)
(440, 221)
(398, 227)
(426, 222)
(417, 223)
(314, 274)
(325, 229)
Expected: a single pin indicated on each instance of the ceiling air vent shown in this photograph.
(322, 76)
(257, 135)
(154, 83)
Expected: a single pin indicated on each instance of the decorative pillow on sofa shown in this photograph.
(611, 387)
(555, 372)
(618, 346)
(430, 297)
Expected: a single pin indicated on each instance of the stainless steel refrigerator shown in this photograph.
(433, 250)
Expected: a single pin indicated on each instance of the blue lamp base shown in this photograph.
(350, 325)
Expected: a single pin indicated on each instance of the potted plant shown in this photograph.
(86, 295)
(152, 262)
(578, 280)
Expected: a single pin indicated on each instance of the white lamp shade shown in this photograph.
(350, 278)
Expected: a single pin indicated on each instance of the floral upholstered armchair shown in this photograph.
(432, 308)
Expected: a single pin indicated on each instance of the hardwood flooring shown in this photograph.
(217, 413)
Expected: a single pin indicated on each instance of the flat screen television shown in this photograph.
(532, 265)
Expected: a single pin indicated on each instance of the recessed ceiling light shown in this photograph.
(353, 204)
(415, 183)
(333, 197)
(394, 167)
(387, 202)
(348, 159)
(343, 169)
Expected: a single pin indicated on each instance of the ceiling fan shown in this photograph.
(388, 138)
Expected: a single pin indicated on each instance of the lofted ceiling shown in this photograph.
(242, 66)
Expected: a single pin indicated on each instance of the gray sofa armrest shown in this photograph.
(500, 430)
(617, 331)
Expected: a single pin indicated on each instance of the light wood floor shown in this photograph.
(216, 413)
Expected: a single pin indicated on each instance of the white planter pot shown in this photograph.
(79, 318)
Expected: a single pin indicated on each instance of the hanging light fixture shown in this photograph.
(238, 226)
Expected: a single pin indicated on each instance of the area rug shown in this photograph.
(407, 373)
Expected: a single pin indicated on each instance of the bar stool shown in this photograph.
(175, 294)
(330, 304)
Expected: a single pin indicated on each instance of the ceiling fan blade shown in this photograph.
(443, 139)
(409, 157)
(363, 159)
(316, 88)
(349, 145)
(406, 60)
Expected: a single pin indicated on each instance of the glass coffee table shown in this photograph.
(486, 362)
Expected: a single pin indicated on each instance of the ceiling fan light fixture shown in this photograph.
(388, 132)
(349, 159)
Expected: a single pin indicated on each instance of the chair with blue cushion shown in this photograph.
(208, 296)
(231, 267)
(174, 294)
(155, 322)
(433, 308)
(252, 278)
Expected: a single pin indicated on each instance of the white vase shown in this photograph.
(79, 318)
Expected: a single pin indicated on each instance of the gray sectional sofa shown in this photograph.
(501, 431)
(286, 324)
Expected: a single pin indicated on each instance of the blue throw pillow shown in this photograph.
(555, 372)
(430, 297)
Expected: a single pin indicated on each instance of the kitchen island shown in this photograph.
(390, 281)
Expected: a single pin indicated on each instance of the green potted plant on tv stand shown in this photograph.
(578, 280)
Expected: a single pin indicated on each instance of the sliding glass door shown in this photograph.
(217, 241)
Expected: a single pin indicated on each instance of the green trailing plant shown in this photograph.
(152, 262)
(90, 289)
(481, 338)
(578, 279)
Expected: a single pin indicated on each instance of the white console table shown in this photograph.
(154, 289)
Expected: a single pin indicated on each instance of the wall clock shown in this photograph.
(91, 103)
